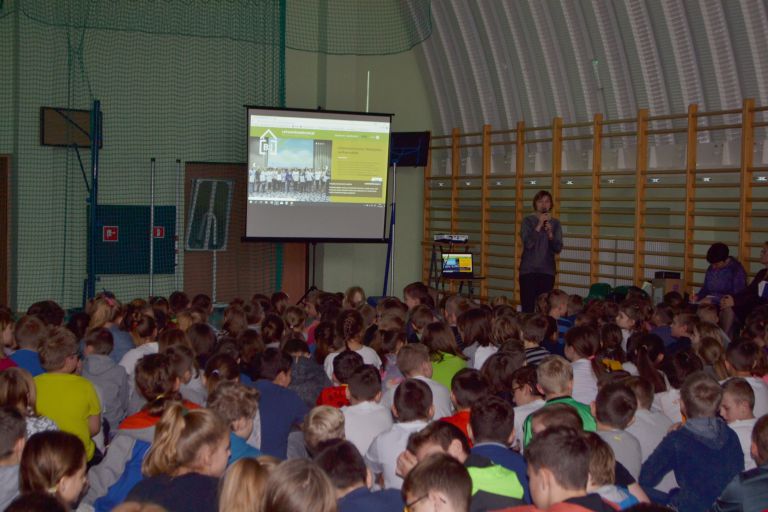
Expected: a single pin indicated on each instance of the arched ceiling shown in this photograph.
(501, 61)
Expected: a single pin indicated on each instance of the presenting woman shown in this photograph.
(542, 240)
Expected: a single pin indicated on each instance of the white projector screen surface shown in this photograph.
(317, 175)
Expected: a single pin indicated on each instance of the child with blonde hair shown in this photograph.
(323, 423)
(243, 486)
(297, 486)
(188, 456)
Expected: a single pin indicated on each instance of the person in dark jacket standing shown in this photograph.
(542, 238)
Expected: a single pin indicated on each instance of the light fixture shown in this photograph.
(762, 178)
(440, 184)
(466, 183)
(655, 180)
(569, 182)
(533, 182)
(611, 181)
(498, 183)
(706, 179)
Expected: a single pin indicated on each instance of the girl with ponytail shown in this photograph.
(188, 455)
(157, 382)
(645, 355)
(581, 347)
(350, 328)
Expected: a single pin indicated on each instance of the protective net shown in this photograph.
(357, 27)
(172, 78)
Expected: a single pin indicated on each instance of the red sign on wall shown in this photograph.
(158, 232)
(109, 234)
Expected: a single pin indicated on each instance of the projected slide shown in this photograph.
(316, 175)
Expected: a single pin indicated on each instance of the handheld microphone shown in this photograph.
(546, 220)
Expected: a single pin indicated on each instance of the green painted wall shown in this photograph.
(339, 83)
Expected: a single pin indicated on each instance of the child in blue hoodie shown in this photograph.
(703, 453)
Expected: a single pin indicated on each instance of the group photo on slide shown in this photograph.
(290, 170)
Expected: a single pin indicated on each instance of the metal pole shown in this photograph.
(215, 262)
(393, 228)
(176, 276)
(94, 196)
(151, 226)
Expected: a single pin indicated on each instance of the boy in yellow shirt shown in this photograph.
(67, 398)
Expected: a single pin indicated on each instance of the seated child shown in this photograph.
(322, 424)
(365, 418)
(17, 390)
(62, 395)
(493, 486)
(29, 333)
(112, 479)
(736, 409)
(704, 453)
(184, 365)
(280, 408)
(662, 324)
(243, 485)
(412, 409)
(454, 306)
(350, 328)
(681, 330)
(650, 425)
(417, 293)
(12, 441)
(475, 327)
(387, 342)
(602, 474)
(343, 366)
(558, 471)
(581, 346)
(236, 404)
(528, 399)
(414, 362)
(563, 415)
(308, 379)
(555, 381)
(445, 355)
(614, 410)
(467, 388)
(109, 378)
(299, 486)
(676, 368)
(533, 331)
(492, 429)
(54, 463)
(557, 308)
(343, 463)
(741, 359)
(188, 456)
(418, 318)
(748, 491)
(440, 482)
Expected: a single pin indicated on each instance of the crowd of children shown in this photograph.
(608, 402)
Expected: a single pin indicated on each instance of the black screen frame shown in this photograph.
(385, 237)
